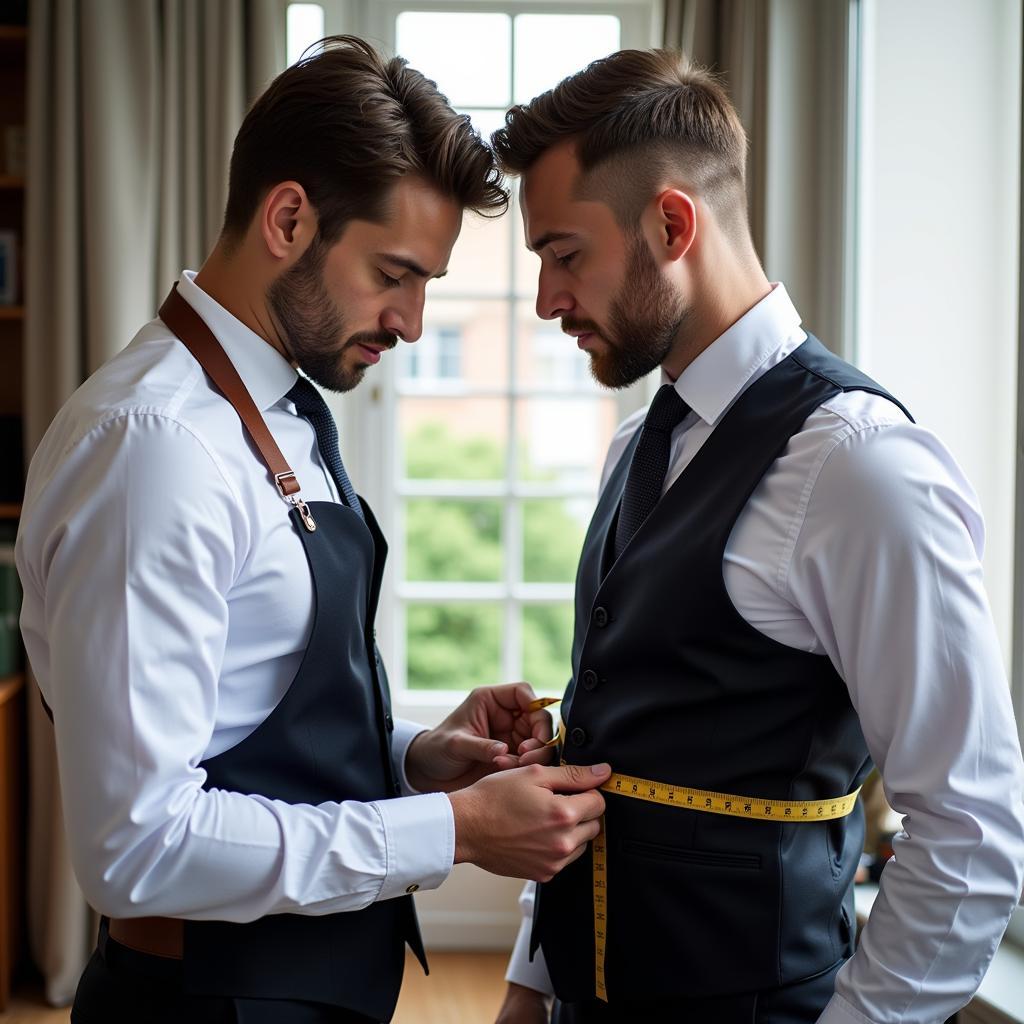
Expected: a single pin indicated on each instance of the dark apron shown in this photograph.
(329, 739)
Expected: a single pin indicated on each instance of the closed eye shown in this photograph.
(389, 281)
(564, 261)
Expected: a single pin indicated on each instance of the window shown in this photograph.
(304, 26)
(497, 432)
(435, 360)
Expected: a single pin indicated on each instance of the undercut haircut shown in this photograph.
(347, 124)
(640, 119)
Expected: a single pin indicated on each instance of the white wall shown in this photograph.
(939, 237)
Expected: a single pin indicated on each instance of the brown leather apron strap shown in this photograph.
(165, 936)
(157, 936)
(191, 329)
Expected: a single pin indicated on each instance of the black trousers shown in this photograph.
(122, 986)
(800, 1003)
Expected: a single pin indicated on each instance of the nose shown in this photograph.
(405, 321)
(553, 299)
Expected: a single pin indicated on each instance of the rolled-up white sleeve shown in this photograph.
(521, 969)
(127, 554)
(887, 569)
(401, 739)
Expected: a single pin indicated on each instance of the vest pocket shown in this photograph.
(710, 858)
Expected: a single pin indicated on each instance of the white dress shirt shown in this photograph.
(863, 543)
(167, 606)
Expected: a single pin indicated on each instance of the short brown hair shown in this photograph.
(346, 124)
(637, 116)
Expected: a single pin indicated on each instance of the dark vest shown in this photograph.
(329, 739)
(670, 683)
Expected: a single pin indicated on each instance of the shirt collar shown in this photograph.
(713, 381)
(267, 375)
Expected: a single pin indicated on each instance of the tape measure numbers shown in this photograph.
(704, 800)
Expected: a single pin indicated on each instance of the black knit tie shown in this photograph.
(309, 403)
(650, 463)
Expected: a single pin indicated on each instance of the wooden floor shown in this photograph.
(463, 988)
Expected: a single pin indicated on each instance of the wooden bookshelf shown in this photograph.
(9, 511)
(11, 181)
(12, 312)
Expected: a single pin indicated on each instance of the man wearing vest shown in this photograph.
(780, 586)
(200, 584)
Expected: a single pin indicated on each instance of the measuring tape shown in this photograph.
(704, 800)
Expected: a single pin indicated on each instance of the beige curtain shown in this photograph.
(133, 106)
(731, 38)
(789, 68)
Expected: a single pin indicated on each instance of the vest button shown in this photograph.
(600, 617)
(578, 737)
(397, 789)
(389, 722)
(589, 679)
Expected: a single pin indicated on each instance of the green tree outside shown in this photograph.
(458, 645)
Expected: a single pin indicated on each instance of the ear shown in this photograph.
(675, 215)
(288, 222)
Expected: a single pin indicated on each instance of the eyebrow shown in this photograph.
(552, 236)
(408, 264)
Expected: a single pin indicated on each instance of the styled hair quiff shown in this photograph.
(346, 124)
(638, 118)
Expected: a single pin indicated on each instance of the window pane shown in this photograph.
(464, 345)
(479, 261)
(553, 532)
(305, 27)
(551, 46)
(583, 428)
(452, 646)
(435, 360)
(547, 646)
(455, 541)
(546, 357)
(466, 54)
(487, 121)
(453, 439)
(527, 262)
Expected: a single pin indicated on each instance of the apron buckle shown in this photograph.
(307, 516)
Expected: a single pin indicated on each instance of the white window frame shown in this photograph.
(368, 415)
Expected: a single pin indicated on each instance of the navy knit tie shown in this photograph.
(309, 403)
(650, 463)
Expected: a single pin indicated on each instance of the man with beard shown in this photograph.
(200, 584)
(780, 584)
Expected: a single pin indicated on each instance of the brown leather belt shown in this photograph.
(157, 936)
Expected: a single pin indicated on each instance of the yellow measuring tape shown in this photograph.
(705, 800)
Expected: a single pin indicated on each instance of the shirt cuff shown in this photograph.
(401, 739)
(521, 970)
(839, 1011)
(419, 837)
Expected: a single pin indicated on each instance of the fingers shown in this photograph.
(531, 744)
(535, 726)
(585, 833)
(514, 697)
(504, 762)
(464, 746)
(543, 728)
(581, 837)
(575, 778)
(586, 806)
(539, 755)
